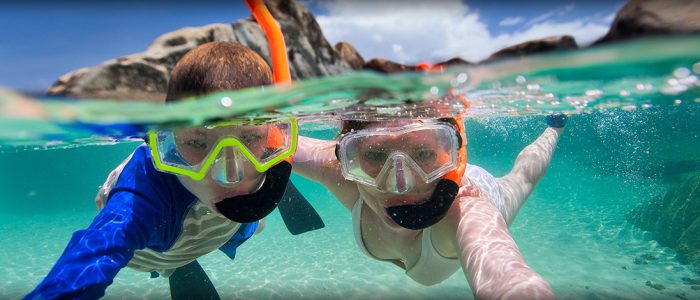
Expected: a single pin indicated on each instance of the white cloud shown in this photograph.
(426, 31)
(560, 11)
(511, 21)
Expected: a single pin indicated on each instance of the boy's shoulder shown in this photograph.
(138, 175)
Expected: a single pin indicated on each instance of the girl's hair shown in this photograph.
(347, 126)
(217, 66)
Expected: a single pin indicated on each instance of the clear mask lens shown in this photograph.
(399, 178)
(228, 167)
(397, 159)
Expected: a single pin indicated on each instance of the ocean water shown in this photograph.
(633, 131)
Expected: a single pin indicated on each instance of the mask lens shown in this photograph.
(428, 151)
(191, 151)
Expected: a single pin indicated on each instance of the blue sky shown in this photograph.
(42, 40)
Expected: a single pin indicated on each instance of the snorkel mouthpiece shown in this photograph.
(255, 206)
(420, 216)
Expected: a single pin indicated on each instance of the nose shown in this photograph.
(227, 169)
(400, 178)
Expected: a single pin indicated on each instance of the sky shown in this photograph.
(42, 40)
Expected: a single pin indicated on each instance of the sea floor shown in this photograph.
(579, 244)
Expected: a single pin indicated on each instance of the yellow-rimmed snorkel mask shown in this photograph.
(195, 150)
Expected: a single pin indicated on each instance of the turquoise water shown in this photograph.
(637, 134)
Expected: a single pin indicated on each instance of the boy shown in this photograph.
(186, 193)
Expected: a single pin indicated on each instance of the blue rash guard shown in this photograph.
(146, 209)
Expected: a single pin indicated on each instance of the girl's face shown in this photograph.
(373, 154)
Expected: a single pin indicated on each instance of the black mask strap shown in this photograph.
(253, 207)
(420, 216)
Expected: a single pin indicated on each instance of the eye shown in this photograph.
(251, 138)
(199, 144)
(425, 156)
(375, 155)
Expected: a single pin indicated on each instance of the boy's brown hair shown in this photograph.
(217, 66)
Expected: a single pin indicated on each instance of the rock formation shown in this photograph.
(455, 61)
(674, 220)
(386, 66)
(350, 55)
(640, 18)
(560, 42)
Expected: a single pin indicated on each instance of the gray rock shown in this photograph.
(144, 75)
(455, 61)
(350, 55)
(386, 66)
(558, 42)
(640, 18)
(674, 220)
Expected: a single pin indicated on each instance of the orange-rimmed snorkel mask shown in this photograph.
(394, 159)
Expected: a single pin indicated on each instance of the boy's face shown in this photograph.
(231, 174)
(211, 191)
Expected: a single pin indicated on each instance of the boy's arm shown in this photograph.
(491, 260)
(95, 255)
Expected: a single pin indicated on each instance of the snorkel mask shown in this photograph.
(394, 160)
(223, 148)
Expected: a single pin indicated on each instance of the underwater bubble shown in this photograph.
(226, 101)
(434, 90)
(624, 93)
(594, 93)
(644, 87)
(677, 101)
(462, 77)
(520, 79)
(533, 87)
(681, 72)
(688, 80)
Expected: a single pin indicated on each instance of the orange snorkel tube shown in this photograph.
(257, 205)
(278, 49)
(273, 33)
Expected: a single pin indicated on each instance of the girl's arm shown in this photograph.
(490, 258)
